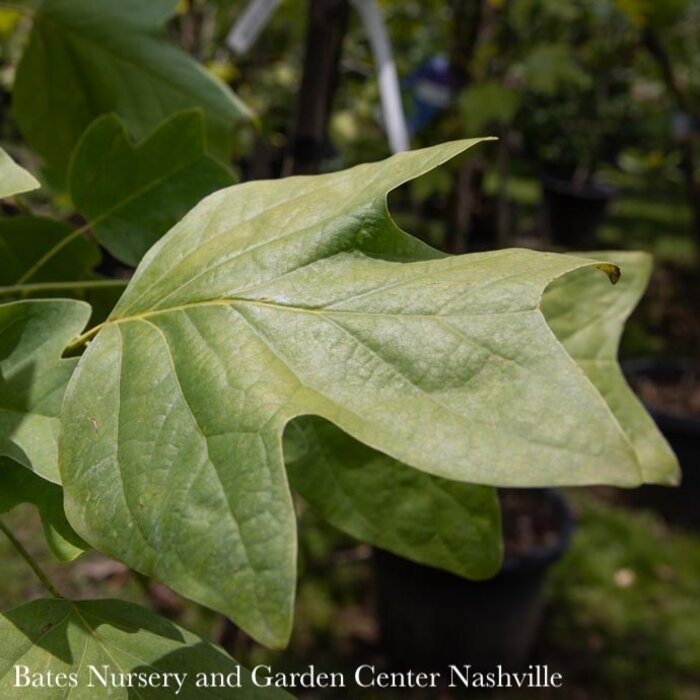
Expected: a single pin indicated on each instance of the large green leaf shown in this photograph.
(33, 378)
(446, 524)
(89, 57)
(98, 638)
(272, 300)
(19, 485)
(133, 194)
(13, 178)
(24, 243)
(588, 317)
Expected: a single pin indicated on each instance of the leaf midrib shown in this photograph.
(323, 310)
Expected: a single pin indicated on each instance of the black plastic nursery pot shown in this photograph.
(573, 215)
(430, 619)
(678, 505)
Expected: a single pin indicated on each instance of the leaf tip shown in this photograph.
(674, 478)
(612, 271)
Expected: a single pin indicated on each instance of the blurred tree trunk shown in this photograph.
(688, 163)
(193, 28)
(326, 28)
(466, 23)
(190, 27)
(467, 18)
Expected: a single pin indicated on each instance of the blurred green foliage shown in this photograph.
(624, 606)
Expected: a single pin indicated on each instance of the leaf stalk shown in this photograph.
(83, 338)
(52, 252)
(60, 286)
(33, 564)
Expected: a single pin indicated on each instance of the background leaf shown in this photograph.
(272, 300)
(588, 316)
(13, 178)
(86, 58)
(378, 500)
(132, 195)
(19, 485)
(63, 636)
(33, 378)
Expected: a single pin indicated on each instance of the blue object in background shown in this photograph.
(430, 92)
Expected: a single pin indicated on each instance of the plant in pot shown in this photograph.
(280, 335)
(570, 142)
(670, 389)
(430, 618)
(578, 115)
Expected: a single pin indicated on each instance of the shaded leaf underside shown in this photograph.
(378, 500)
(61, 636)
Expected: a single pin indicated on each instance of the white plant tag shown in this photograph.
(249, 25)
(389, 90)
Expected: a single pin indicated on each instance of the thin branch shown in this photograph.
(50, 253)
(31, 561)
(35, 287)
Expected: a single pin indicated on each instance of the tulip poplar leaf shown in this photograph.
(274, 300)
